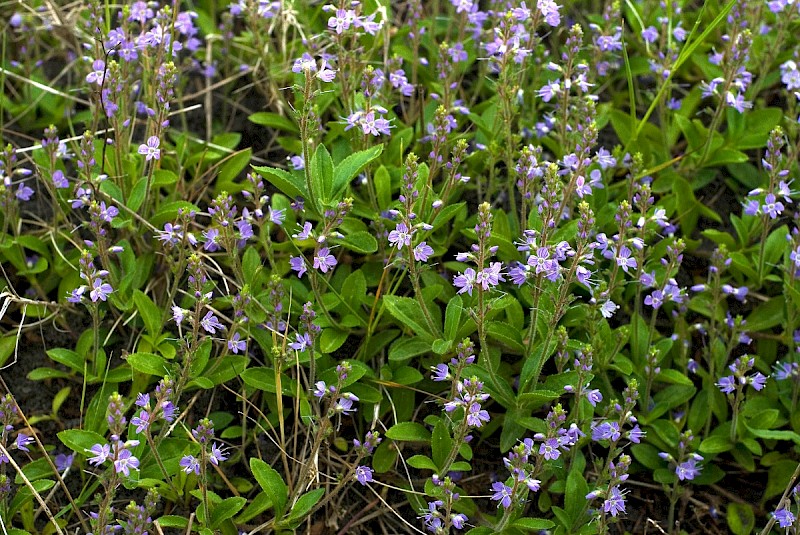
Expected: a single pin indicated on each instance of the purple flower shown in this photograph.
(624, 259)
(179, 314)
(400, 236)
(59, 180)
(150, 149)
(142, 400)
(615, 503)
(476, 416)
(364, 474)
(324, 261)
(320, 389)
(784, 517)
(786, 370)
(727, 384)
(97, 73)
(772, 207)
(422, 251)
(210, 323)
(303, 342)
(325, 72)
(465, 281)
(236, 345)
(276, 217)
(211, 236)
(125, 462)
(635, 435)
(63, 461)
(23, 441)
(608, 308)
(24, 193)
(298, 264)
(502, 493)
(100, 290)
(344, 405)
(594, 397)
(101, 453)
(549, 449)
(490, 276)
(688, 470)
(190, 464)
(606, 431)
(752, 207)
(441, 373)
(650, 34)
(168, 409)
(458, 520)
(757, 381)
(217, 455)
(142, 421)
(549, 10)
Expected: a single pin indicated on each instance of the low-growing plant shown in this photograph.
(484, 267)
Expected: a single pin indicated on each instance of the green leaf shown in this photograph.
(421, 462)
(259, 504)
(771, 434)
(354, 289)
(164, 177)
(716, 444)
(741, 518)
(361, 242)
(647, 455)
(446, 214)
(441, 346)
(321, 177)
(169, 212)
(767, 315)
(533, 524)
(272, 483)
(150, 313)
(409, 432)
(384, 457)
(273, 120)
(673, 376)
(506, 335)
(404, 349)
(779, 476)
(537, 398)
(226, 368)
(441, 443)
(332, 339)
(38, 469)
(668, 399)
(292, 185)
(575, 495)
(40, 374)
(409, 313)
(725, 156)
(230, 169)
(138, 193)
(383, 187)
(148, 363)
(200, 359)
(68, 358)
(173, 521)
(80, 441)
(452, 318)
(350, 167)
(305, 503)
(226, 509)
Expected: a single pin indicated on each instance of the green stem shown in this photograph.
(418, 294)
